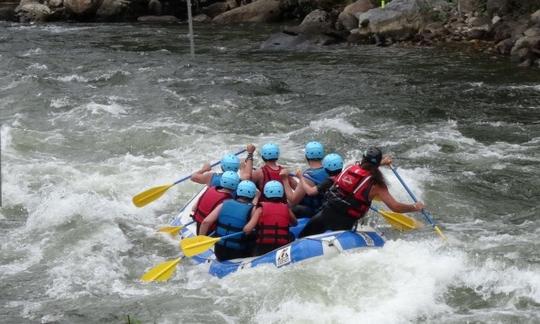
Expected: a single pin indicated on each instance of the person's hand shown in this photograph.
(206, 167)
(386, 160)
(284, 174)
(246, 230)
(418, 206)
(299, 174)
(250, 148)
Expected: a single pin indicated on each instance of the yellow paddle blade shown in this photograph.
(399, 221)
(146, 197)
(198, 244)
(172, 230)
(438, 230)
(161, 272)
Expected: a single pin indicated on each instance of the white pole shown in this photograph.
(190, 23)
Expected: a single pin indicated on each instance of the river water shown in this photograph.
(93, 114)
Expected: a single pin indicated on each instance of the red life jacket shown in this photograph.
(208, 201)
(353, 186)
(273, 225)
(269, 174)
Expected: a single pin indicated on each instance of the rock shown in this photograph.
(283, 41)
(468, 5)
(232, 4)
(504, 47)
(525, 48)
(531, 32)
(202, 18)
(33, 12)
(7, 13)
(158, 19)
(346, 21)
(400, 19)
(316, 21)
(112, 8)
(54, 3)
(155, 7)
(499, 7)
(478, 32)
(258, 11)
(535, 17)
(478, 21)
(215, 9)
(82, 7)
(358, 7)
(495, 20)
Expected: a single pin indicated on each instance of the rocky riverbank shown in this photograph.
(506, 27)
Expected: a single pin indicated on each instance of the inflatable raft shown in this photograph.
(310, 247)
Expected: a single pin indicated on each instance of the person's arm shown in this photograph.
(309, 189)
(202, 176)
(209, 220)
(284, 174)
(257, 176)
(247, 167)
(384, 195)
(292, 219)
(255, 214)
(292, 182)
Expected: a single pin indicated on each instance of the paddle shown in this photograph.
(424, 212)
(198, 244)
(161, 272)
(398, 221)
(173, 230)
(147, 196)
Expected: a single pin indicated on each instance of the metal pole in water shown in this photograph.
(190, 23)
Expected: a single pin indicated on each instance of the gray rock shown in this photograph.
(316, 21)
(346, 21)
(55, 3)
(33, 12)
(535, 17)
(498, 7)
(399, 19)
(202, 18)
(82, 7)
(258, 11)
(531, 32)
(215, 9)
(504, 47)
(358, 7)
(112, 8)
(526, 48)
(468, 5)
(155, 7)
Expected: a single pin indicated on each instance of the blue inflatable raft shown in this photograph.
(322, 245)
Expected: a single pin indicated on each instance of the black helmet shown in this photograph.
(373, 155)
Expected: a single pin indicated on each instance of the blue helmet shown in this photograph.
(229, 180)
(270, 151)
(246, 189)
(332, 162)
(230, 162)
(314, 151)
(273, 189)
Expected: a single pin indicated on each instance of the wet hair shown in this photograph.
(376, 174)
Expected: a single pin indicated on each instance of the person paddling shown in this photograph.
(270, 170)
(308, 205)
(214, 196)
(229, 162)
(272, 219)
(349, 198)
(231, 216)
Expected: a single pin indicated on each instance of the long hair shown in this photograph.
(376, 174)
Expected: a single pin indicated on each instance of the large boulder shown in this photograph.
(82, 7)
(400, 19)
(526, 49)
(259, 11)
(469, 5)
(347, 18)
(112, 8)
(315, 22)
(215, 9)
(498, 7)
(535, 17)
(33, 12)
